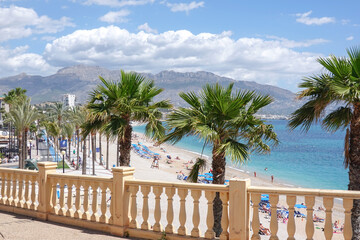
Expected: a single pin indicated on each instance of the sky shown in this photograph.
(269, 42)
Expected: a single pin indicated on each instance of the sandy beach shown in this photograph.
(181, 160)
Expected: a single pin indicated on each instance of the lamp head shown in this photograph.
(63, 152)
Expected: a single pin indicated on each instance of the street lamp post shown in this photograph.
(63, 153)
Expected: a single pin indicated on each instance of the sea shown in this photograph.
(312, 159)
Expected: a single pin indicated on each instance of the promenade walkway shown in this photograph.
(14, 227)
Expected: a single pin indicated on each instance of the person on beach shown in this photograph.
(264, 230)
(272, 178)
(254, 174)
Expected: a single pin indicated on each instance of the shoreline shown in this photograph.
(230, 172)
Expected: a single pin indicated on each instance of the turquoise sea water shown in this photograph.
(313, 159)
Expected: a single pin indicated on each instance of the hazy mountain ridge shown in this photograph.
(80, 80)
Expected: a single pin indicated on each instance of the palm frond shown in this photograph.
(199, 166)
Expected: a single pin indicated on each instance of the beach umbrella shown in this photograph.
(208, 179)
(209, 174)
(300, 206)
(202, 176)
(264, 197)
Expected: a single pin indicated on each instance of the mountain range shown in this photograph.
(81, 79)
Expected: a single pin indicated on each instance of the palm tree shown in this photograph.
(116, 104)
(78, 117)
(226, 122)
(54, 130)
(22, 115)
(58, 111)
(13, 96)
(338, 84)
(68, 132)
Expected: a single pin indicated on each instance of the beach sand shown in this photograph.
(168, 173)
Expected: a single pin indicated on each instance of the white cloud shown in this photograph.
(306, 19)
(116, 3)
(350, 38)
(14, 61)
(265, 61)
(18, 22)
(184, 7)
(293, 44)
(115, 17)
(145, 27)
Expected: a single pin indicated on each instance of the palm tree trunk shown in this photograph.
(354, 169)
(69, 143)
(84, 158)
(117, 151)
(125, 147)
(78, 148)
(100, 157)
(107, 152)
(93, 147)
(25, 144)
(89, 138)
(19, 140)
(218, 167)
(10, 153)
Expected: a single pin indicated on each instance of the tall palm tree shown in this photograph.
(22, 115)
(77, 115)
(58, 111)
(13, 96)
(225, 121)
(130, 99)
(54, 130)
(338, 84)
(68, 132)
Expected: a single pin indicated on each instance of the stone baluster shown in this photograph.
(3, 198)
(170, 192)
(274, 199)
(157, 213)
(255, 197)
(8, 189)
(133, 212)
(111, 219)
(70, 211)
(224, 196)
(13, 193)
(348, 204)
(86, 214)
(62, 209)
(182, 216)
(328, 229)
(27, 186)
(210, 234)
(309, 202)
(103, 206)
(291, 200)
(77, 213)
(20, 194)
(53, 197)
(196, 194)
(33, 192)
(94, 203)
(145, 190)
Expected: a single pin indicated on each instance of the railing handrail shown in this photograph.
(18, 171)
(195, 186)
(305, 192)
(60, 176)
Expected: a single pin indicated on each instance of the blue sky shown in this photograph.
(270, 42)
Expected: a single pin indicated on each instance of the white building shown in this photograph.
(69, 100)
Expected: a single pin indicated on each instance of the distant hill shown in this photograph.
(80, 80)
